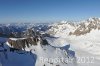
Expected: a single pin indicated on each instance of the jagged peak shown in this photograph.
(93, 19)
(78, 29)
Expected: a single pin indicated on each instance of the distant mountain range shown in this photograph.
(56, 44)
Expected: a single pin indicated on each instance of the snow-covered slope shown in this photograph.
(83, 38)
(70, 28)
(58, 44)
(37, 55)
(35, 51)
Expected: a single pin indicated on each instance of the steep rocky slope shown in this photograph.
(34, 49)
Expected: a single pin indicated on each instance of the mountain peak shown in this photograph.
(92, 19)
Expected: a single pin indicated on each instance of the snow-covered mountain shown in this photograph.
(60, 44)
(34, 50)
(83, 38)
(72, 28)
(8, 29)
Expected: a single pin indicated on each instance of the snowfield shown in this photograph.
(58, 44)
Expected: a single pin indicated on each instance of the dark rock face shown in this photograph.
(22, 43)
(27, 42)
(25, 39)
(29, 33)
(45, 42)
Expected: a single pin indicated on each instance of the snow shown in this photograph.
(49, 52)
(89, 42)
(87, 45)
(15, 59)
(33, 55)
(57, 42)
(3, 40)
(17, 38)
(83, 49)
(0, 64)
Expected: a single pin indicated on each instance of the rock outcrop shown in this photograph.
(22, 43)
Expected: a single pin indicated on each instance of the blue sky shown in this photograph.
(47, 10)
